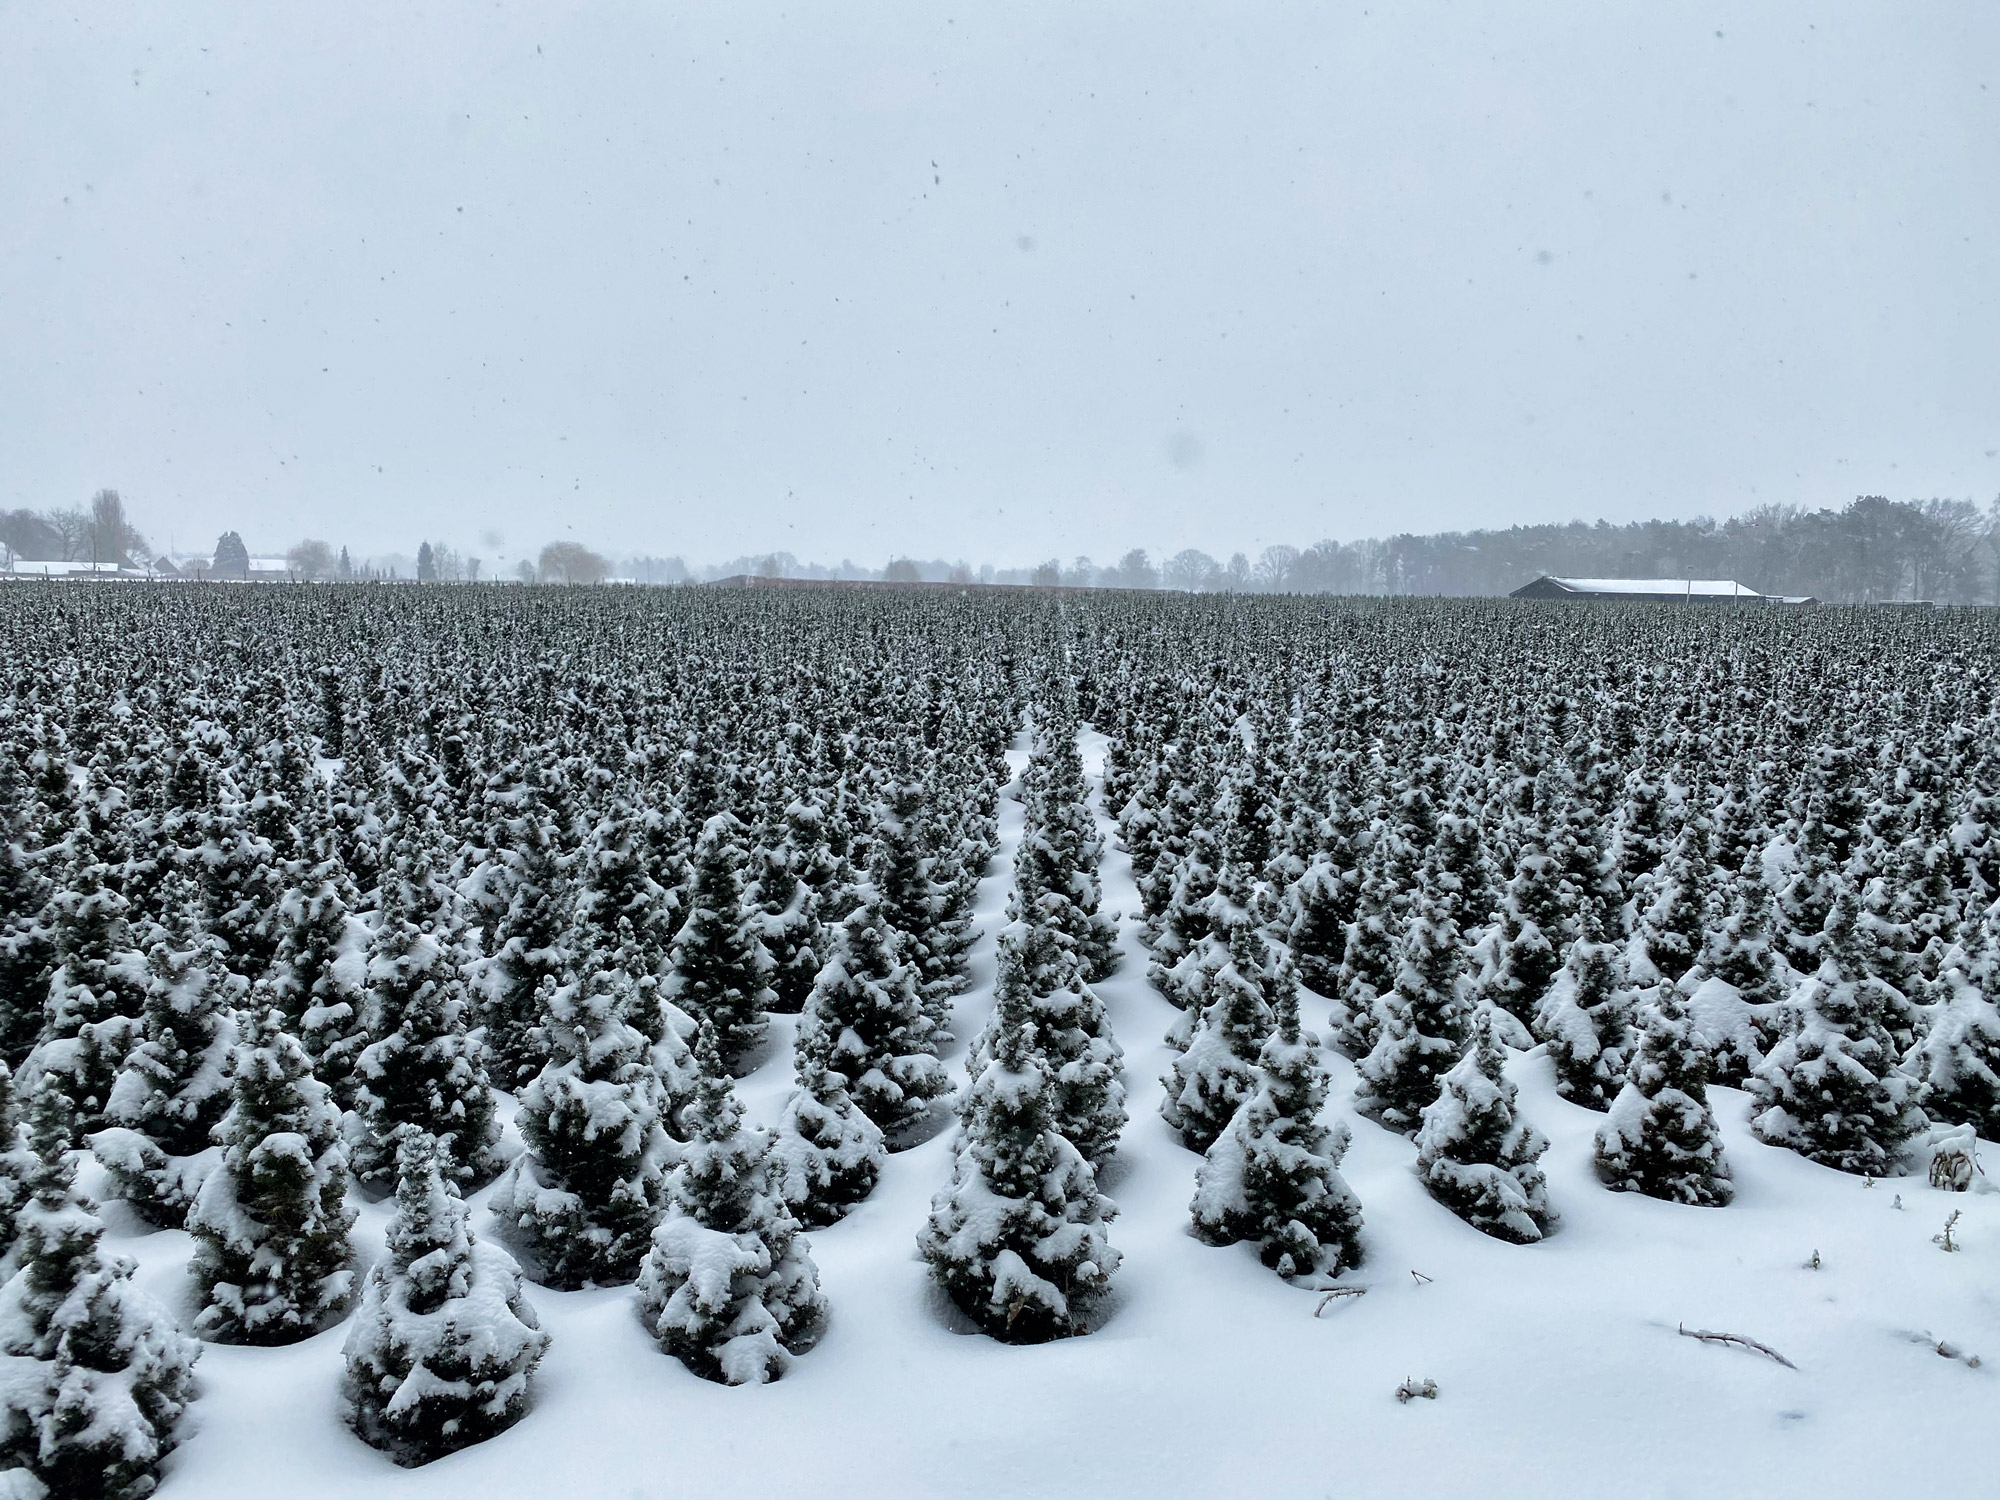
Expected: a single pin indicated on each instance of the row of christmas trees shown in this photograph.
(1636, 932)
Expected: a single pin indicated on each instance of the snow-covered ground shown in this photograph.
(1558, 1366)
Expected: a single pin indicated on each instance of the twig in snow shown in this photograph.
(1945, 1240)
(1421, 1278)
(1738, 1340)
(1333, 1296)
(1428, 1389)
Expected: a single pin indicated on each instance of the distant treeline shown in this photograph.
(1873, 548)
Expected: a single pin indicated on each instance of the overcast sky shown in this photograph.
(998, 282)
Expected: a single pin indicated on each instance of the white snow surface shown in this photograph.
(1558, 1366)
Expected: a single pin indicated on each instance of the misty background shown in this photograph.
(725, 285)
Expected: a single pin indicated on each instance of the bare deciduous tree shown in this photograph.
(572, 562)
(311, 559)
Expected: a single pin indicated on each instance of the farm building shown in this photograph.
(1650, 590)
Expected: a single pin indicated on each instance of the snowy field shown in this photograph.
(1559, 1369)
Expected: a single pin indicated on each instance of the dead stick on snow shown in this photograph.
(1334, 1295)
(1737, 1339)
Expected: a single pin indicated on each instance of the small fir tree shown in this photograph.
(1831, 1088)
(1586, 1020)
(1274, 1175)
(98, 987)
(1321, 903)
(1660, 1138)
(319, 972)
(18, 1165)
(99, 1377)
(1208, 1083)
(787, 926)
(1959, 1057)
(873, 1026)
(527, 944)
(421, 1066)
(729, 1288)
(445, 1341)
(827, 1154)
(272, 1263)
(174, 1087)
(584, 1197)
(1017, 1240)
(1525, 949)
(1422, 1027)
(718, 970)
(1476, 1154)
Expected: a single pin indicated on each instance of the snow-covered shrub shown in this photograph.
(1958, 1058)
(1421, 1026)
(718, 969)
(1209, 1081)
(1586, 1020)
(421, 1066)
(174, 1086)
(875, 1029)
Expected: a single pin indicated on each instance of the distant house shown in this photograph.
(1649, 590)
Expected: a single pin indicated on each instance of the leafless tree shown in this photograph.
(572, 562)
(112, 536)
(311, 559)
(1190, 570)
(72, 526)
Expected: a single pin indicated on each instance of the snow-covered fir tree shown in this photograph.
(1524, 953)
(27, 947)
(1321, 903)
(422, 1066)
(1422, 1018)
(787, 924)
(526, 945)
(826, 1155)
(1586, 1020)
(873, 1025)
(1832, 1088)
(98, 987)
(319, 969)
(18, 1165)
(1660, 1138)
(98, 1378)
(1476, 1154)
(1017, 1240)
(719, 971)
(174, 1086)
(1273, 1175)
(584, 1197)
(1959, 1056)
(729, 1287)
(272, 1263)
(1208, 1083)
(444, 1341)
